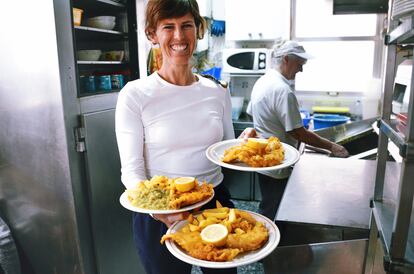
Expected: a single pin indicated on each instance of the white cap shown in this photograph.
(290, 47)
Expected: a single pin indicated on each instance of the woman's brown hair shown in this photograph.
(158, 10)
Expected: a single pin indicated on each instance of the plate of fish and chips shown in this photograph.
(163, 195)
(248, 237)
(253, 155)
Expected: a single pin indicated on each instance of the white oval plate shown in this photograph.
(242, 259)
(125, 203)
(215, 154)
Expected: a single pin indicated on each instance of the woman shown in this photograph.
(165, 123)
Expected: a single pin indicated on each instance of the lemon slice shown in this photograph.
(184, 184)
(215, 234)
(257, 143)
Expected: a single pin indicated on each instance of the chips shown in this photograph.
(244, 234)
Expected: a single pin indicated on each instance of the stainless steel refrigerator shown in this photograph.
(59, 164)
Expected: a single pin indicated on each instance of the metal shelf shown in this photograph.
(393, 217)
(101, 62)
(384, 212)
(403, 34)
(396, 137)
(99, 5)
(84, 33)
(99, 30)
(113, 3)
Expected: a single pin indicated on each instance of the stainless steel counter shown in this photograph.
(337, 257)
(332, 191)
(324, 216)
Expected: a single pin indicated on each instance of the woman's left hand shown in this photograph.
(248, 133)
(170, 219)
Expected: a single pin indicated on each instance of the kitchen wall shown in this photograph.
(364, 104)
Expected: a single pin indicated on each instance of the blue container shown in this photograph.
(328, 120)
(117, 81)
(306, 118)
(104, 82)
(89, 83)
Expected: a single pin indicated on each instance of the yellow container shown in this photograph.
(77, 16)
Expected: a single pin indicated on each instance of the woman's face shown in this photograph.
(177, 39)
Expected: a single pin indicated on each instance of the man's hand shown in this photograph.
(339, 151)
(170, 219)
(248, 133)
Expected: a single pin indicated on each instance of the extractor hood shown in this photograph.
(359, 6)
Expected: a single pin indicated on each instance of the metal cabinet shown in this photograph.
(392, 215)
(111, 224)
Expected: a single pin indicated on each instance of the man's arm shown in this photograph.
(308, 137)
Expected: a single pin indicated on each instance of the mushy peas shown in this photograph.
(152, 194)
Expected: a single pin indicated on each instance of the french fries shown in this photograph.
(219, 215)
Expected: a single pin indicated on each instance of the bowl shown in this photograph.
(236, 107)
(89, 55)
(328, 120)
(113, 55)
(101, 22)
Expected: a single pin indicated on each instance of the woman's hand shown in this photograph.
(169, 219)
(248, 133)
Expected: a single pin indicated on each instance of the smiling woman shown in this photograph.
(171, 103)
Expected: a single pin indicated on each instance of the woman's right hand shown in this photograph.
(170, 219)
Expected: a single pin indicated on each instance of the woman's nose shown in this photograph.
(178, 33)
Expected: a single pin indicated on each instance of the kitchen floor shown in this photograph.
(256, 268)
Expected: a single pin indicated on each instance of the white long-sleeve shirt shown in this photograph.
(165, 129)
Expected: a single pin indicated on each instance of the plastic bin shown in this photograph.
(328, 120)
(77, 16)
(214, 71)
(306, 118)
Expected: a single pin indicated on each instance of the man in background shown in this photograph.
(275, 111)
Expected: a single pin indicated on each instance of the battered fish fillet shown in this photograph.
(251, 240)
(273, 154)
(192, 243)
(197, 194)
